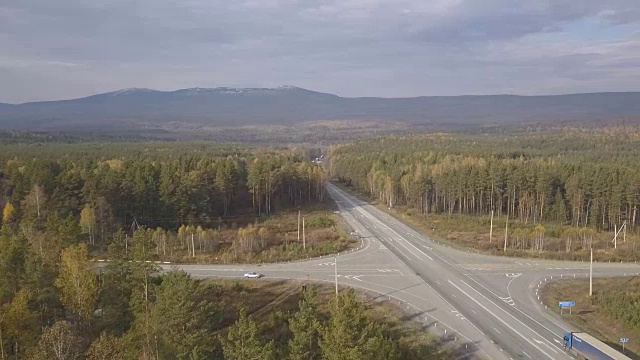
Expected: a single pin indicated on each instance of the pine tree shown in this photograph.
(183, 315)
(350, 335)
(243, 342)
(305, 327)
(559, 209)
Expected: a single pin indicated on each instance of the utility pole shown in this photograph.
(491, 228)
(591, 274)
(335, 267)
(298, 225)
(304, 238)
(506, 231)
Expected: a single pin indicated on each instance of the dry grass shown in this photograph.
(592, 318)
(325, 233)
(472, 232)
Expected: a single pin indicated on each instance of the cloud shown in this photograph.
(349, 47)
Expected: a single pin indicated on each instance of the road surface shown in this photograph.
(484, 307)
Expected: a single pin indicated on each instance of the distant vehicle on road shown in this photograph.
(590, 348)
(253, 275)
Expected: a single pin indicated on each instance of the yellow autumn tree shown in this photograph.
(77, 281)
(7, 213)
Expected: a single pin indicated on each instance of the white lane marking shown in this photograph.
(394, 221)
(494, 294)
(374, 219)
(208, 269)
(527, 355)
(458, 315)
(501, 320)
(545, 344)
(405, 240)
(429, 286)
(503, 310)
(354, 277)
(496, 330)
(432, 289)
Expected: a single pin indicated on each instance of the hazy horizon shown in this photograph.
(351, 48)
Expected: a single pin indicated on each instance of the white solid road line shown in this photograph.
(377, 220)
(372, 218)
(496, 295)
(506, 312)
(501, 320)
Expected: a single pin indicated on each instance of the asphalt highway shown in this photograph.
(483, 307)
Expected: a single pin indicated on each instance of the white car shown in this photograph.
(252, 275)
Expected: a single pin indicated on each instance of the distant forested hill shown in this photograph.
(196, 109)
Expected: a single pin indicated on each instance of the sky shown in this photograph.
(398, 48)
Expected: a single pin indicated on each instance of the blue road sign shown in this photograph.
(624, 340)
(567, 303)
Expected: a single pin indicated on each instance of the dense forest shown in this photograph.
(184, 190)
(574, 177)
(136, 203)
(159, 186)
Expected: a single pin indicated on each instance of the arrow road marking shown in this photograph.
(545, 344)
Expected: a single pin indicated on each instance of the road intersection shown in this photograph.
(485, 307)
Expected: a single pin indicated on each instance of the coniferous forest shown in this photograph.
(562, 188)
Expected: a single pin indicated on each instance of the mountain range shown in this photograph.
(289, 105)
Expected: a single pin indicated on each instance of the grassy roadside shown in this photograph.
(472, 233)
(596, 315)
(271, 303)
(275, 238)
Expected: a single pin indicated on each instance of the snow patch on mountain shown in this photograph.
(130, 91)
(232, 90)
